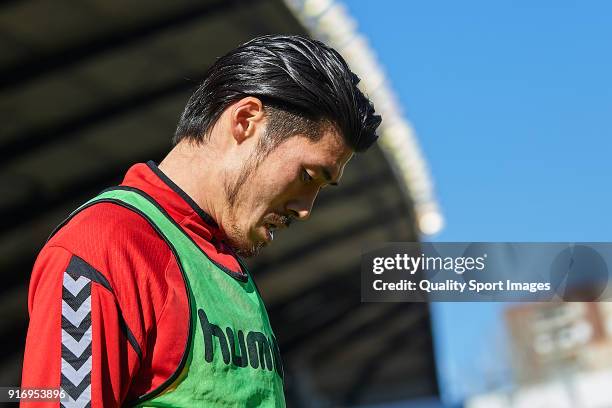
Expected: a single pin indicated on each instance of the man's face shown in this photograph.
(268, 195)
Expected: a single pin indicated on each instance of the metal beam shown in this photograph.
(47, 63)
(33, 141)
(376, 361)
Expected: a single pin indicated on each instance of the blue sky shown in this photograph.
(512, 104)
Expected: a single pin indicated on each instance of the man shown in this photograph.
(139, 297)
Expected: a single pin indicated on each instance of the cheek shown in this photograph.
(268, 189)
(277, 186)
(262, 196)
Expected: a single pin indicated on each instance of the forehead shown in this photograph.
(329, 150)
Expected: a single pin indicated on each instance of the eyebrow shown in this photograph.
(327, 175)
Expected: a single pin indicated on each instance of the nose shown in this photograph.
(301, 207)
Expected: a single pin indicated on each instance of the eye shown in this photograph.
(305, 176)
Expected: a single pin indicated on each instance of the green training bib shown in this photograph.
(232, 357)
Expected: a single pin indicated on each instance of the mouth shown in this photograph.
(273, 223)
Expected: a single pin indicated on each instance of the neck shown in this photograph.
(189, 166)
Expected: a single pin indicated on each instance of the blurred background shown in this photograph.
(505, 105)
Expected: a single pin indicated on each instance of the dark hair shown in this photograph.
(302, 83)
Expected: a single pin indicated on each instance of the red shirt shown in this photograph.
(133, 289)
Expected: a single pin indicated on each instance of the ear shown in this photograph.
(247, 115)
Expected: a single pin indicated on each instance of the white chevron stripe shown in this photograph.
(76, 376)
(76, 347)
(74, 286)
(83, 399)
(76, 317)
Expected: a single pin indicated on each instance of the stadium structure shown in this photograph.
(90, 87)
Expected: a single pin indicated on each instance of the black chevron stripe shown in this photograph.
(72, 359)
(73, 390)
(78, 267)
(88, 405)
(74, 270)
(76, 332)
(76, 301)
(129, 335)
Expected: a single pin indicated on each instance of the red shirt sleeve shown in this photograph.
(96, 301)
(42, 359)
(77, 337)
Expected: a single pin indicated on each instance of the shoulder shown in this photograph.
(121, 245)
(107, 228)
(105, 221)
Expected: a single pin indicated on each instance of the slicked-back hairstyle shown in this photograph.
(303, 84)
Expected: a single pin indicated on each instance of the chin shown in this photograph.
(245, 247)
(241, 243)
(249, 251)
